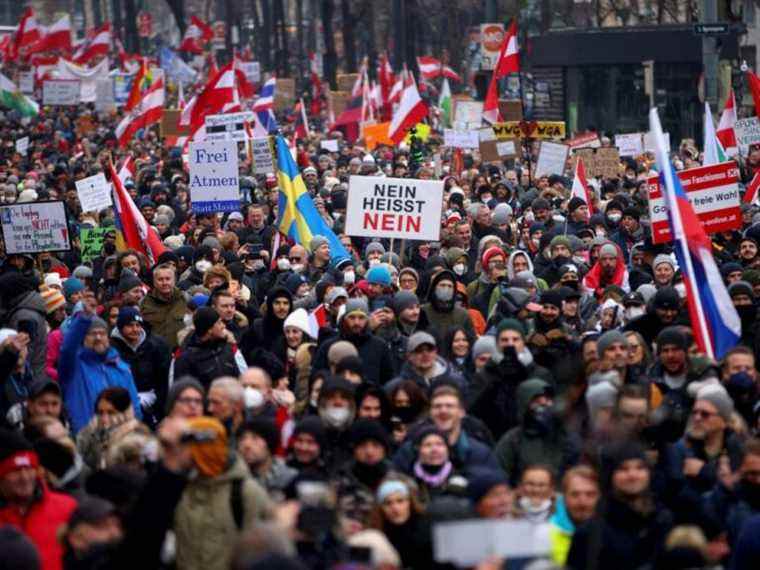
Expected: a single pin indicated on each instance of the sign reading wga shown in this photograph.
(394, 208)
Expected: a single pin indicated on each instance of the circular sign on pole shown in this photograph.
(144, 24)
(491, 37)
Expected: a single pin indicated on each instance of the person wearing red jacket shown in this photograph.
(27, 503)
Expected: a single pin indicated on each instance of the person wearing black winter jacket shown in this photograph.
(267, 332)
(208, 353)
(148, 357)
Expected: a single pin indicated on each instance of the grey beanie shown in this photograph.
(403, 300)
(82, 272)
(212, 242)
(647, 291)
(501, 214)
(609, 338)
(340, 350)
(608, 249)
(97, 323)
(355, 305)
(178, 387)
(662, 258)
(317, 242)
(374, 247)
(486, 344)
(600, 395)
(717, 395)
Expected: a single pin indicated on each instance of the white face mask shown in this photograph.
(349, 277)
(460, 268)
(633, 312)
(297, 267)
(203, 265)
(283, 264)
(373, 262)
(525, 357)
(614, 217)
(257, 265)
(444, 293)
(253, 397)
(681, 288)
(336, 417)
(600, 233)
(535, 241)
(187, 320)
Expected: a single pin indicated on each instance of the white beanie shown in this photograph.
(299, 319)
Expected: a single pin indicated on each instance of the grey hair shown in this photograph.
(231, 386)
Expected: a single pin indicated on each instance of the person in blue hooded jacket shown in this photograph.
(88, 364)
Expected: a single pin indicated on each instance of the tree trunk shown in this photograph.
(330, 57)
(349, 41)
(117, 21)
(281, 47)
(266, 44)
(411, 23)
(258, 33)
(132, 41)
(178, 10)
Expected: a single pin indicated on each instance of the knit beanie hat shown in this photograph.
(54, 300)
(672, 336)
(97, 323)
(334, 294)
(355, 306)
(403, 300)
(317, 242)
(82, 272)
(203, 319)
(717, 395)
(180, 386)
(264, 427)
(560, 240)
(575, 203)
(662, 258)
(128, 280)
(614, 455)
(486, 344)
(374, 247)
(72, 285)
(298, 319)
(368, 430)
(482, 481)
(340, 350)
(411, 271)
(128, 315)
(666, 298)
(379, 275)
(608, 339)
(608, 249)
(740, 288)
(489, 254)
(501, 214)
(313, 426)
(552, 297)
(211, 454)
(600, 395)
(510, 325)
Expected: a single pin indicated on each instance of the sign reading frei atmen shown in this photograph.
(394, 208)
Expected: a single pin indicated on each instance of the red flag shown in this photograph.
(580, 186)
(220, 95)
(411, 110)
(27, 34)
(509, 62)
(751, 192)
(56, 37)
(97, 43)
(246, 88)
(147, 112)
(754, 86)
(302, 121)
(197, 35)
(139, 84)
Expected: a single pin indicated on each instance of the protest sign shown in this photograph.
(330, 144)
(345, 81)
(464, 543)
(468, 115)
(630, 144)
(104, 95)
(491, 37)
(551, 159)
(337, 101)
(214, 184)
(747, 133)
(394, 208)
(651, 146)
(251, 70)
(713, 192)
(506, 149)
(60, 92)
(284, 93)
(227, 127)
(26, 82)
(22, 145)
(585, 140)
(460, 139)
(122, 83)
(375, 135)
(261, 155)
(91, 242)
(511, 110)
(170, 127)
(34, 227)
(94, 193)
(607, 162)
(530, 129)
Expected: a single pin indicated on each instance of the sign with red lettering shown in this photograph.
(394, 208)
(713, 192)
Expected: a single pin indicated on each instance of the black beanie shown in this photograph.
(312, 425)
(18, 551)
(574, 204)
(672, 336)
(365, 430)
(552, 297)
(617, 453)
(54, 457)
(666, 298)
(128, 280)
(11, 442)
(266, 428)
(203, 319)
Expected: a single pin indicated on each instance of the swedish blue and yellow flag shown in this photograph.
(298, 216)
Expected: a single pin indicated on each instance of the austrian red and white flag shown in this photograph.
(55, 37)
(28, 33)
(508, 62)
(430, 68)
(220, 95)
(197, 35)
(580, 187)
(410, 111)
(725, 131)
(97, 43)
(145, 113)
(138, 235)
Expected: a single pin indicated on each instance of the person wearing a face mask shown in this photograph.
(613, 215)
(629, 232)
(337, 409)
(267, 332)
(458, 261)
(634, 306)
(203, 259)
(540, 439)
(441, 310)
(577, 215)
(740, 377)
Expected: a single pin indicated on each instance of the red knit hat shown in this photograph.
(491, 252)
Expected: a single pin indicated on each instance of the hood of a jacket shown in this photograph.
(448, 275)
(116, 333)
(511, 262)
(29, 300)
(276, 293)
(528, 390)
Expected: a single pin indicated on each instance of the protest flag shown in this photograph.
(197, 35)
(265, 101)
(26, 35)
(411, 110)
(97, 43)
(13, 98)
(753, 82)
(56, 37)
(298, 216)
(725, 133)
(444, 103)
(147, 112)
(751, 192)
(219, 95)
(508, 62)
(130, 223)
(580, 186)
(714, 320)
(714, 153)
